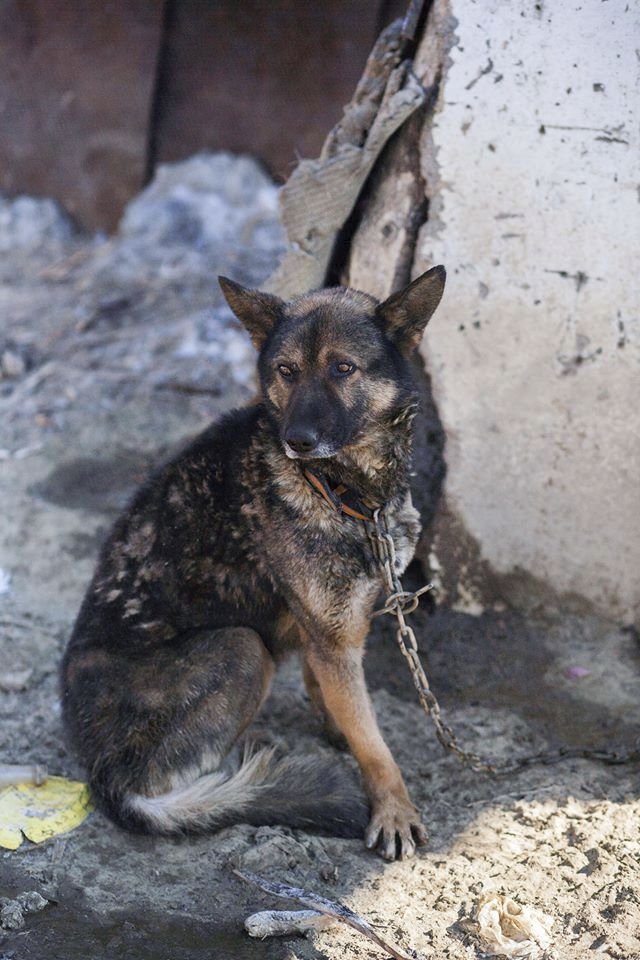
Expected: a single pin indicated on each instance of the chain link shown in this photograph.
(400, 603)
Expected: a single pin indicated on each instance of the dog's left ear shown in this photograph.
(258, 311)
(406, 313)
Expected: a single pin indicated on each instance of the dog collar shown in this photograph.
(342, 498)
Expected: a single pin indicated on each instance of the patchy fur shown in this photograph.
(227, 559)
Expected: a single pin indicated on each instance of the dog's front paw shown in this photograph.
(395, 829)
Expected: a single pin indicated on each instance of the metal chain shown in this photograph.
(400, 603)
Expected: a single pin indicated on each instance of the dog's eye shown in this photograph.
(285, 371)
(344, 368)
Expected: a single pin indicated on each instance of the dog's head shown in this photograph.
(333, 363)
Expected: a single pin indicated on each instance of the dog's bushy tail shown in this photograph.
(309, 792)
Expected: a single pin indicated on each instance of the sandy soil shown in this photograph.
(124, 353)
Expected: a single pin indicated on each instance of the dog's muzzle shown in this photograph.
(306, 444)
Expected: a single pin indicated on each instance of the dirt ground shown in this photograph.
(115, 351)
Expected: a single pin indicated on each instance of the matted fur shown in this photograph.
(227, 559)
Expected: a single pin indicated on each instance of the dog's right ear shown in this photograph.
(258, 311)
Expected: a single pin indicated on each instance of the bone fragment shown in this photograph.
(280, 923)
(330, 909)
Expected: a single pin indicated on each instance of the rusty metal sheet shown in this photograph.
(268, 77)
(76, 84)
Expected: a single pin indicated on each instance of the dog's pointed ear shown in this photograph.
(406, 313)
(258, 311)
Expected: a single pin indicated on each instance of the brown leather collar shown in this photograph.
(342, 498)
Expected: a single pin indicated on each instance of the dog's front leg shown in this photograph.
(395, 826)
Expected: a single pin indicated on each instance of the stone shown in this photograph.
(29, 223)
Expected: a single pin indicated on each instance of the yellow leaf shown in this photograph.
(39, 813)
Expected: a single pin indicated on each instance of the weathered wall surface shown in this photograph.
(531, 165)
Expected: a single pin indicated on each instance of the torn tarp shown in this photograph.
(320, 194)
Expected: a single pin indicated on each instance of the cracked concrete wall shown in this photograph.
(531, 165)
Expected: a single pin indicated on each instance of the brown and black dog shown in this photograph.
(236, 552)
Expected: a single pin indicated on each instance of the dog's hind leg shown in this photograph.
(154, 729)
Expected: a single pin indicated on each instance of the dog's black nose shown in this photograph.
(302, 439)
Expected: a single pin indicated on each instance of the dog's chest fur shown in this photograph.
(230, 533)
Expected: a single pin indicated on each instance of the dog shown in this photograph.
(252, 543)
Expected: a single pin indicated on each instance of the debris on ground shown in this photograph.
(41, 812)
(504, 928)
(286, 923)
(322, 908)
(12, 773)
(12, 912)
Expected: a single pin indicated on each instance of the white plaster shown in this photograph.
(537, 375)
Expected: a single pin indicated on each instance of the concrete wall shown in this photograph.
(531, 165)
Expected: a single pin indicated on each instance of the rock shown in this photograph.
(16, 359)
(29, 224)
(31, 901)
(12, 912)
(11, 915)
(14, 680)
(12, 364)
(206, 201)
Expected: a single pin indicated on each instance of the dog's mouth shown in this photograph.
(323, 451)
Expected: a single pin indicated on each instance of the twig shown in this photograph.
(329, 908)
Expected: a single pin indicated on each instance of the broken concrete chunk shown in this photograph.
(31, 901)
(14, 680)
(13, 912)
(11, 915)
